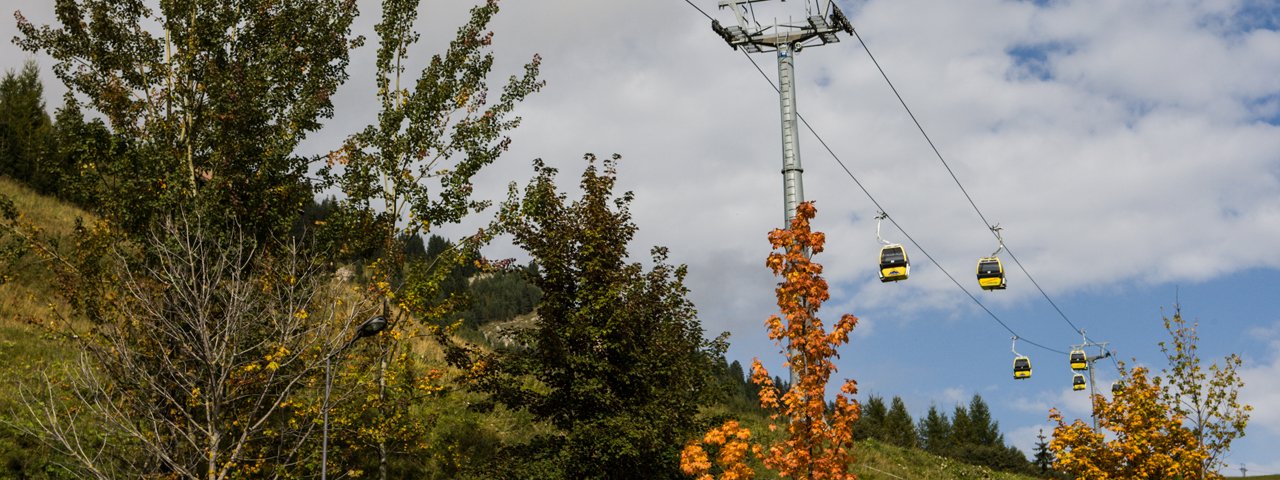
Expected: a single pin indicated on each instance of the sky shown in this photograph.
(1129, 150)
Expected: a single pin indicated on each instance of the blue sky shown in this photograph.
(1131, 151)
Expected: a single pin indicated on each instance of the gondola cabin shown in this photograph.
(1078, 361)
(1077, 383)
(1117, 387)
(894, 265)
(1021, 368)
(990, 273)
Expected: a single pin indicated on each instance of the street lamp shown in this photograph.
(369, 328)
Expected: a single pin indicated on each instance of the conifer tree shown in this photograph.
(898, 428)
(617, 350)
(871, 422)
(962, 431)
(27, 148)
(1044, 457)
(935, 431)
(982, 428)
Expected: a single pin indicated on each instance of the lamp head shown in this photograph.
(372, 326)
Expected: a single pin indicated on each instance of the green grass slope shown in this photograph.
(26, 296)
(879, 461)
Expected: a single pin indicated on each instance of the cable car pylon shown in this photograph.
(1079, 350)
(786, 39)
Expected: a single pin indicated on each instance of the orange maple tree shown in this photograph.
(819, 440)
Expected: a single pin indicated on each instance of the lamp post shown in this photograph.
(369, 328)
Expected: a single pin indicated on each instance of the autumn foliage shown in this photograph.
(1148, 439)
(1176, 425)
(819, 440)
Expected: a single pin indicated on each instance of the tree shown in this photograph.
(617, 350)
(1207, 400)
(200, 367)
(971, 436)
(898, 428)
(981, 429)
(871, 419)
(935, 432)
(819, 435)
(1148, 439)
(86, 149)
(415, 163)
(962, 431)
(205, 103)
(207, 99)
(1181, 423)
(1044, 457)
(27, 148)
(409, 172)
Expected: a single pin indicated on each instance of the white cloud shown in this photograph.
(1127, 164)
(953, 396)
(1025, 437)
(1262, 383)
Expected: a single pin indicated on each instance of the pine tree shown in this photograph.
(961, 428)
(935, 431)
(898, 428)
(985, 431)
(26, 131)
(1044, 458)
(871, 423)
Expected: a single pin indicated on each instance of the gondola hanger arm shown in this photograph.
(880, 215)
(996, 230)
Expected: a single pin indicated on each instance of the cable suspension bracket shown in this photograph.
(996, 230)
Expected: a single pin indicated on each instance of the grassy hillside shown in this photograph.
(458, 432)
(27, 295)
(26, 292)
(878, 461)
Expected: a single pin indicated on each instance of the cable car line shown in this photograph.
(956, 179)
(699, 9)
(881, 209)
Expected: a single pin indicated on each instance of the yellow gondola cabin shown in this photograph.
(1077, 382)
(990, 273)
(1021, 368)
(894, 265)
(1078, 361)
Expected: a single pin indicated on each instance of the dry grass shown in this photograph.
(30, 296)
(56, 217)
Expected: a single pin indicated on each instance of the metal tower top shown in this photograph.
(754, 38)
